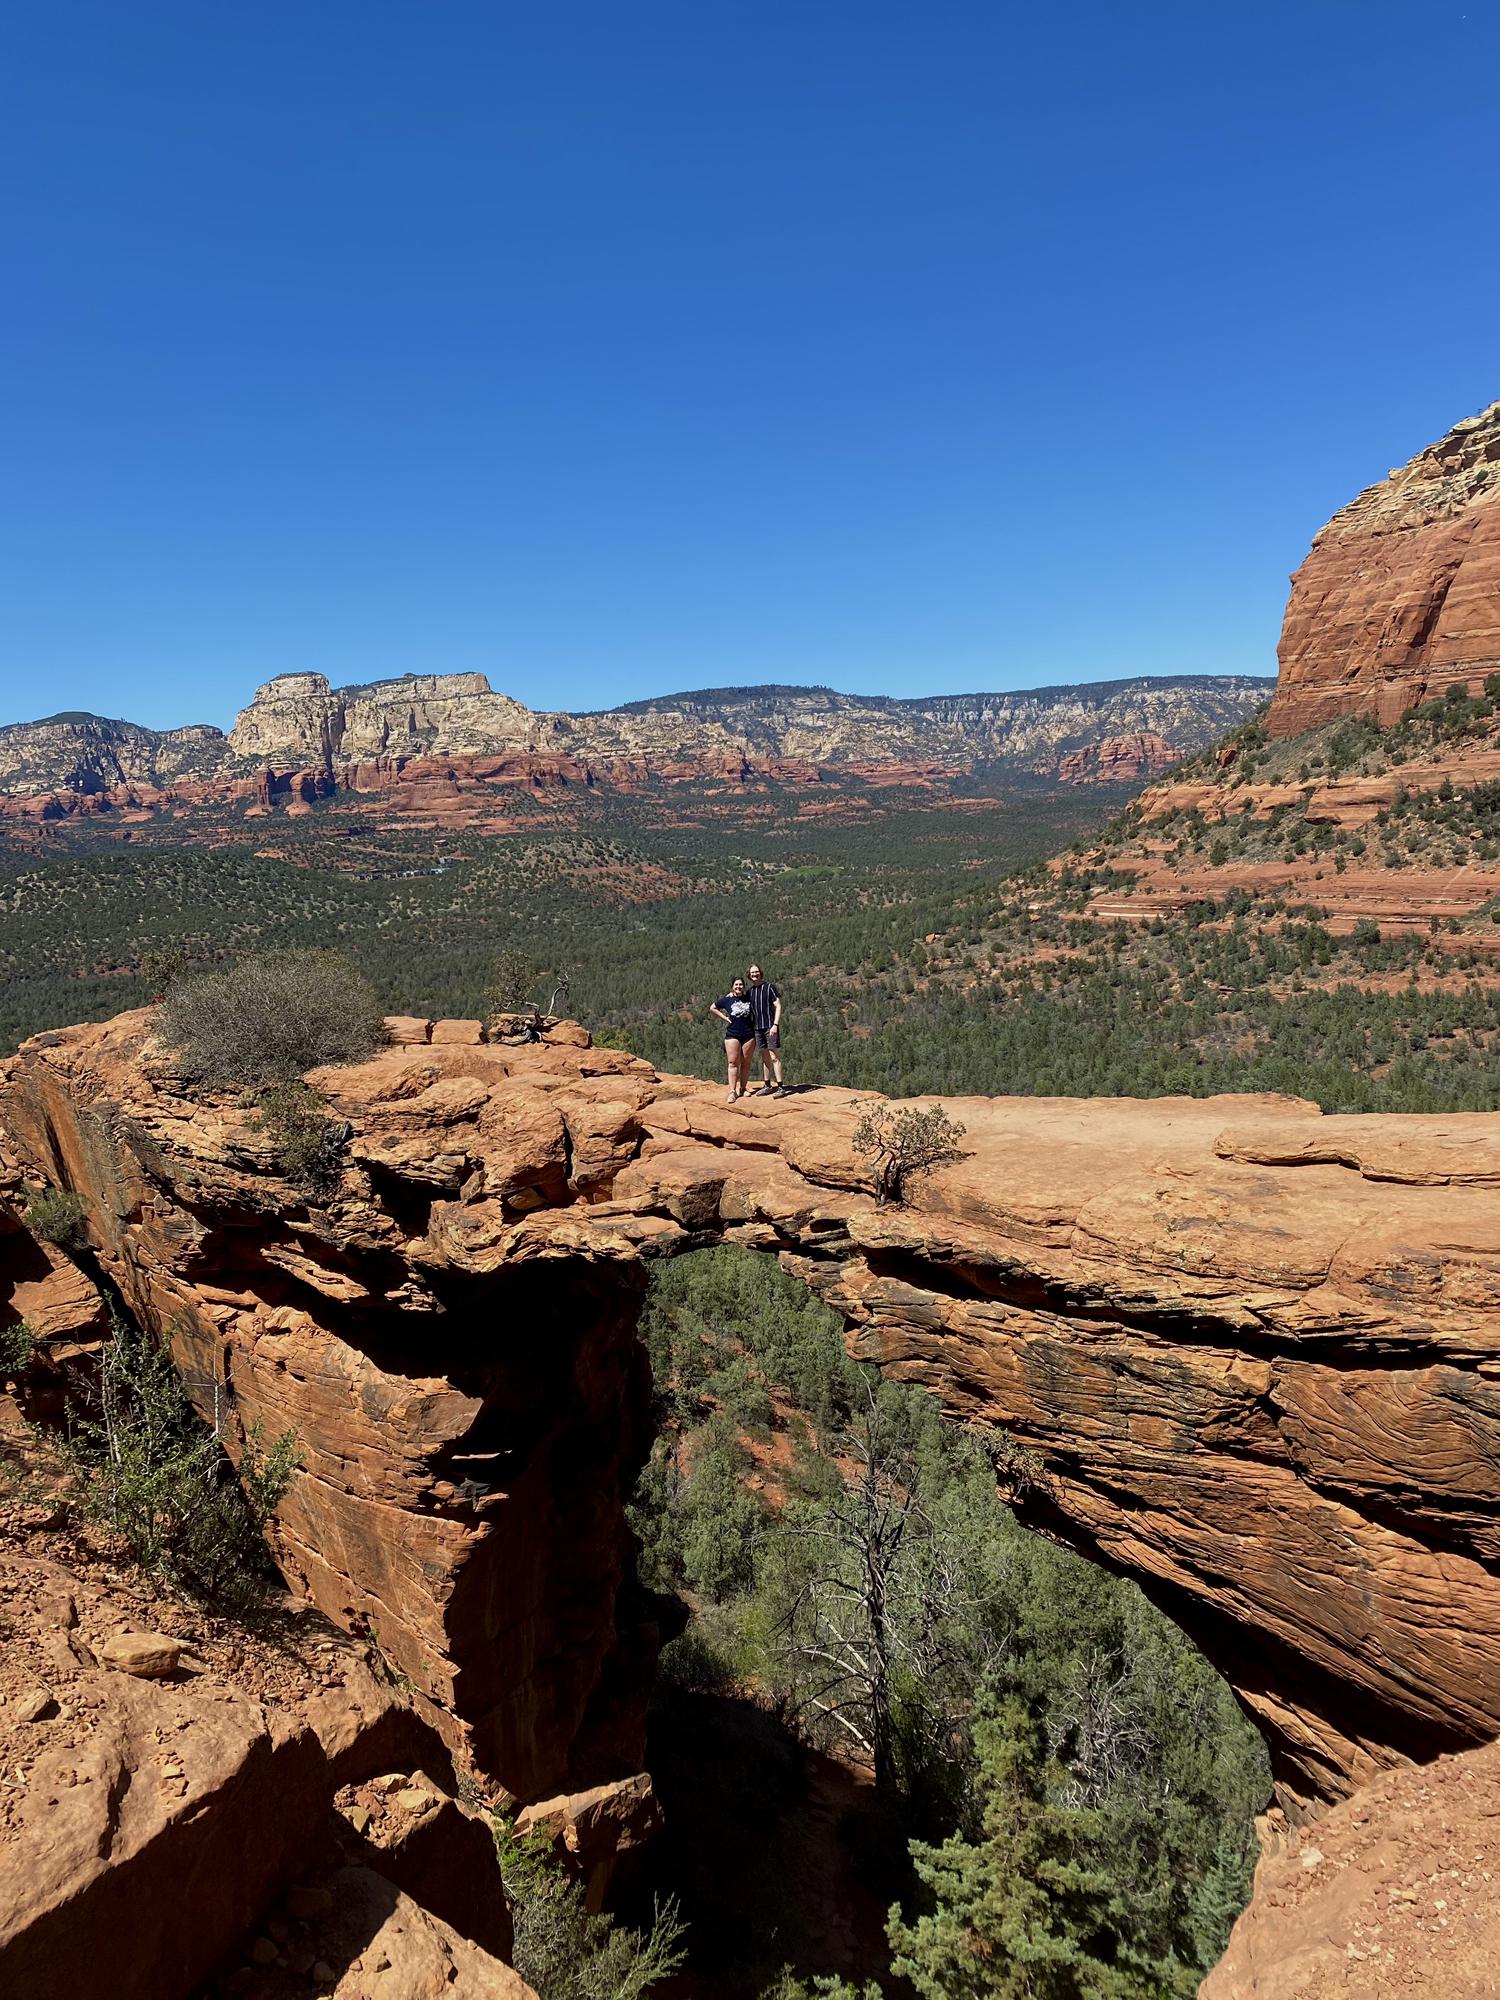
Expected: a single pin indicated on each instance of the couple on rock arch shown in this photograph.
(751, 1013)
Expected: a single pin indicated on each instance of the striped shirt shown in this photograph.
(763, 1000)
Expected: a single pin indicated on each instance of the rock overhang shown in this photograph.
(1255, 1348)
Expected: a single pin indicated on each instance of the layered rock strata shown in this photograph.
(1399, 597)
(423, 740)
(1253, 1350)
(147, 1819)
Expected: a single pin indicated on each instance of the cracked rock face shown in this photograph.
(1256, 1351)
(1399, 597)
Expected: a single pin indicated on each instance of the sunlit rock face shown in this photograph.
(1399, 597)
(1249, 1351)
(435, 744)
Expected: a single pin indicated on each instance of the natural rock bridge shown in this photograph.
(1255, 1347)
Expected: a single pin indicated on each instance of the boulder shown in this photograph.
(452, 1033)
(150, 1656)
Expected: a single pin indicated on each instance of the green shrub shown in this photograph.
(566, 1952)
(271, 1017)
(58, 1217)
(905, 1142)
(513, 984)
(149, 1469)
(17, 1345)
(309, 1146)
(161, 968)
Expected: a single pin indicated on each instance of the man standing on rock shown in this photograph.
(765, 1012)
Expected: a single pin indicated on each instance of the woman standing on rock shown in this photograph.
(739, 1036)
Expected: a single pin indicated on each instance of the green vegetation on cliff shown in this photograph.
(852, 1571)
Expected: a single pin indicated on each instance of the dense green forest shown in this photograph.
(649, 922)
(918, 949)
(855, 1580)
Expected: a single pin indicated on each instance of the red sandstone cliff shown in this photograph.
(1400, 594)
(1253, 1345)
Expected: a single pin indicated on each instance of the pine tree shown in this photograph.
(1020, 1913)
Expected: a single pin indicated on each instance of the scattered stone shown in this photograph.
(150, 1656)
(34, 1705)
(264, 1951)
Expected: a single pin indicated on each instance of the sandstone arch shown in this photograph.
(1257, 1349)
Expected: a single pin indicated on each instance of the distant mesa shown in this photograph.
(436, 743)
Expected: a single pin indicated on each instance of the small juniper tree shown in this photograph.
(57, 1216)
(513, 984)
(562, 1949)
(148, 1468)
(309, 1146)
(905, 1141)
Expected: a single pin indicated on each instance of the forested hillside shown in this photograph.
(918, 949)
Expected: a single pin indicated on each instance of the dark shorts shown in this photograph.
(739, 1034)
(768, 1038)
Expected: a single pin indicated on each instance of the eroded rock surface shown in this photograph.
(1391, 1893)
(1254, 1349)
(1399, 597)
(144, 1822)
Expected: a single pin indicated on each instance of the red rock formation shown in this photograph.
(1118, 760)
(1392, 1892)
(1252, 1346)
(146, 1821)
(1399, 597)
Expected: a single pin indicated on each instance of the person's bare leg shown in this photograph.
(732, 1063)
(744, 1069)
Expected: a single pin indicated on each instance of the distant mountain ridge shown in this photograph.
(353, 736)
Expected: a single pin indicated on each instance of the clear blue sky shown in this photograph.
(617, 346)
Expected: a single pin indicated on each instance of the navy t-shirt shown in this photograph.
(737, 1007)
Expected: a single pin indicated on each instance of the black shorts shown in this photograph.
(739, 1035)
(768, 1038)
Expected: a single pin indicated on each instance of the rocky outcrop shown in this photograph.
(443, 745)
(1392, 1892)
(299, 720)
(89, 755)
(1248, 1351)
(147, 1819)
(1399, 597)
(1119, 760)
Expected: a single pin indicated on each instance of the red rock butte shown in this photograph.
(1253, 1350)
(1399, 597)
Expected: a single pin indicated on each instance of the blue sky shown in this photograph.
(612, 349)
